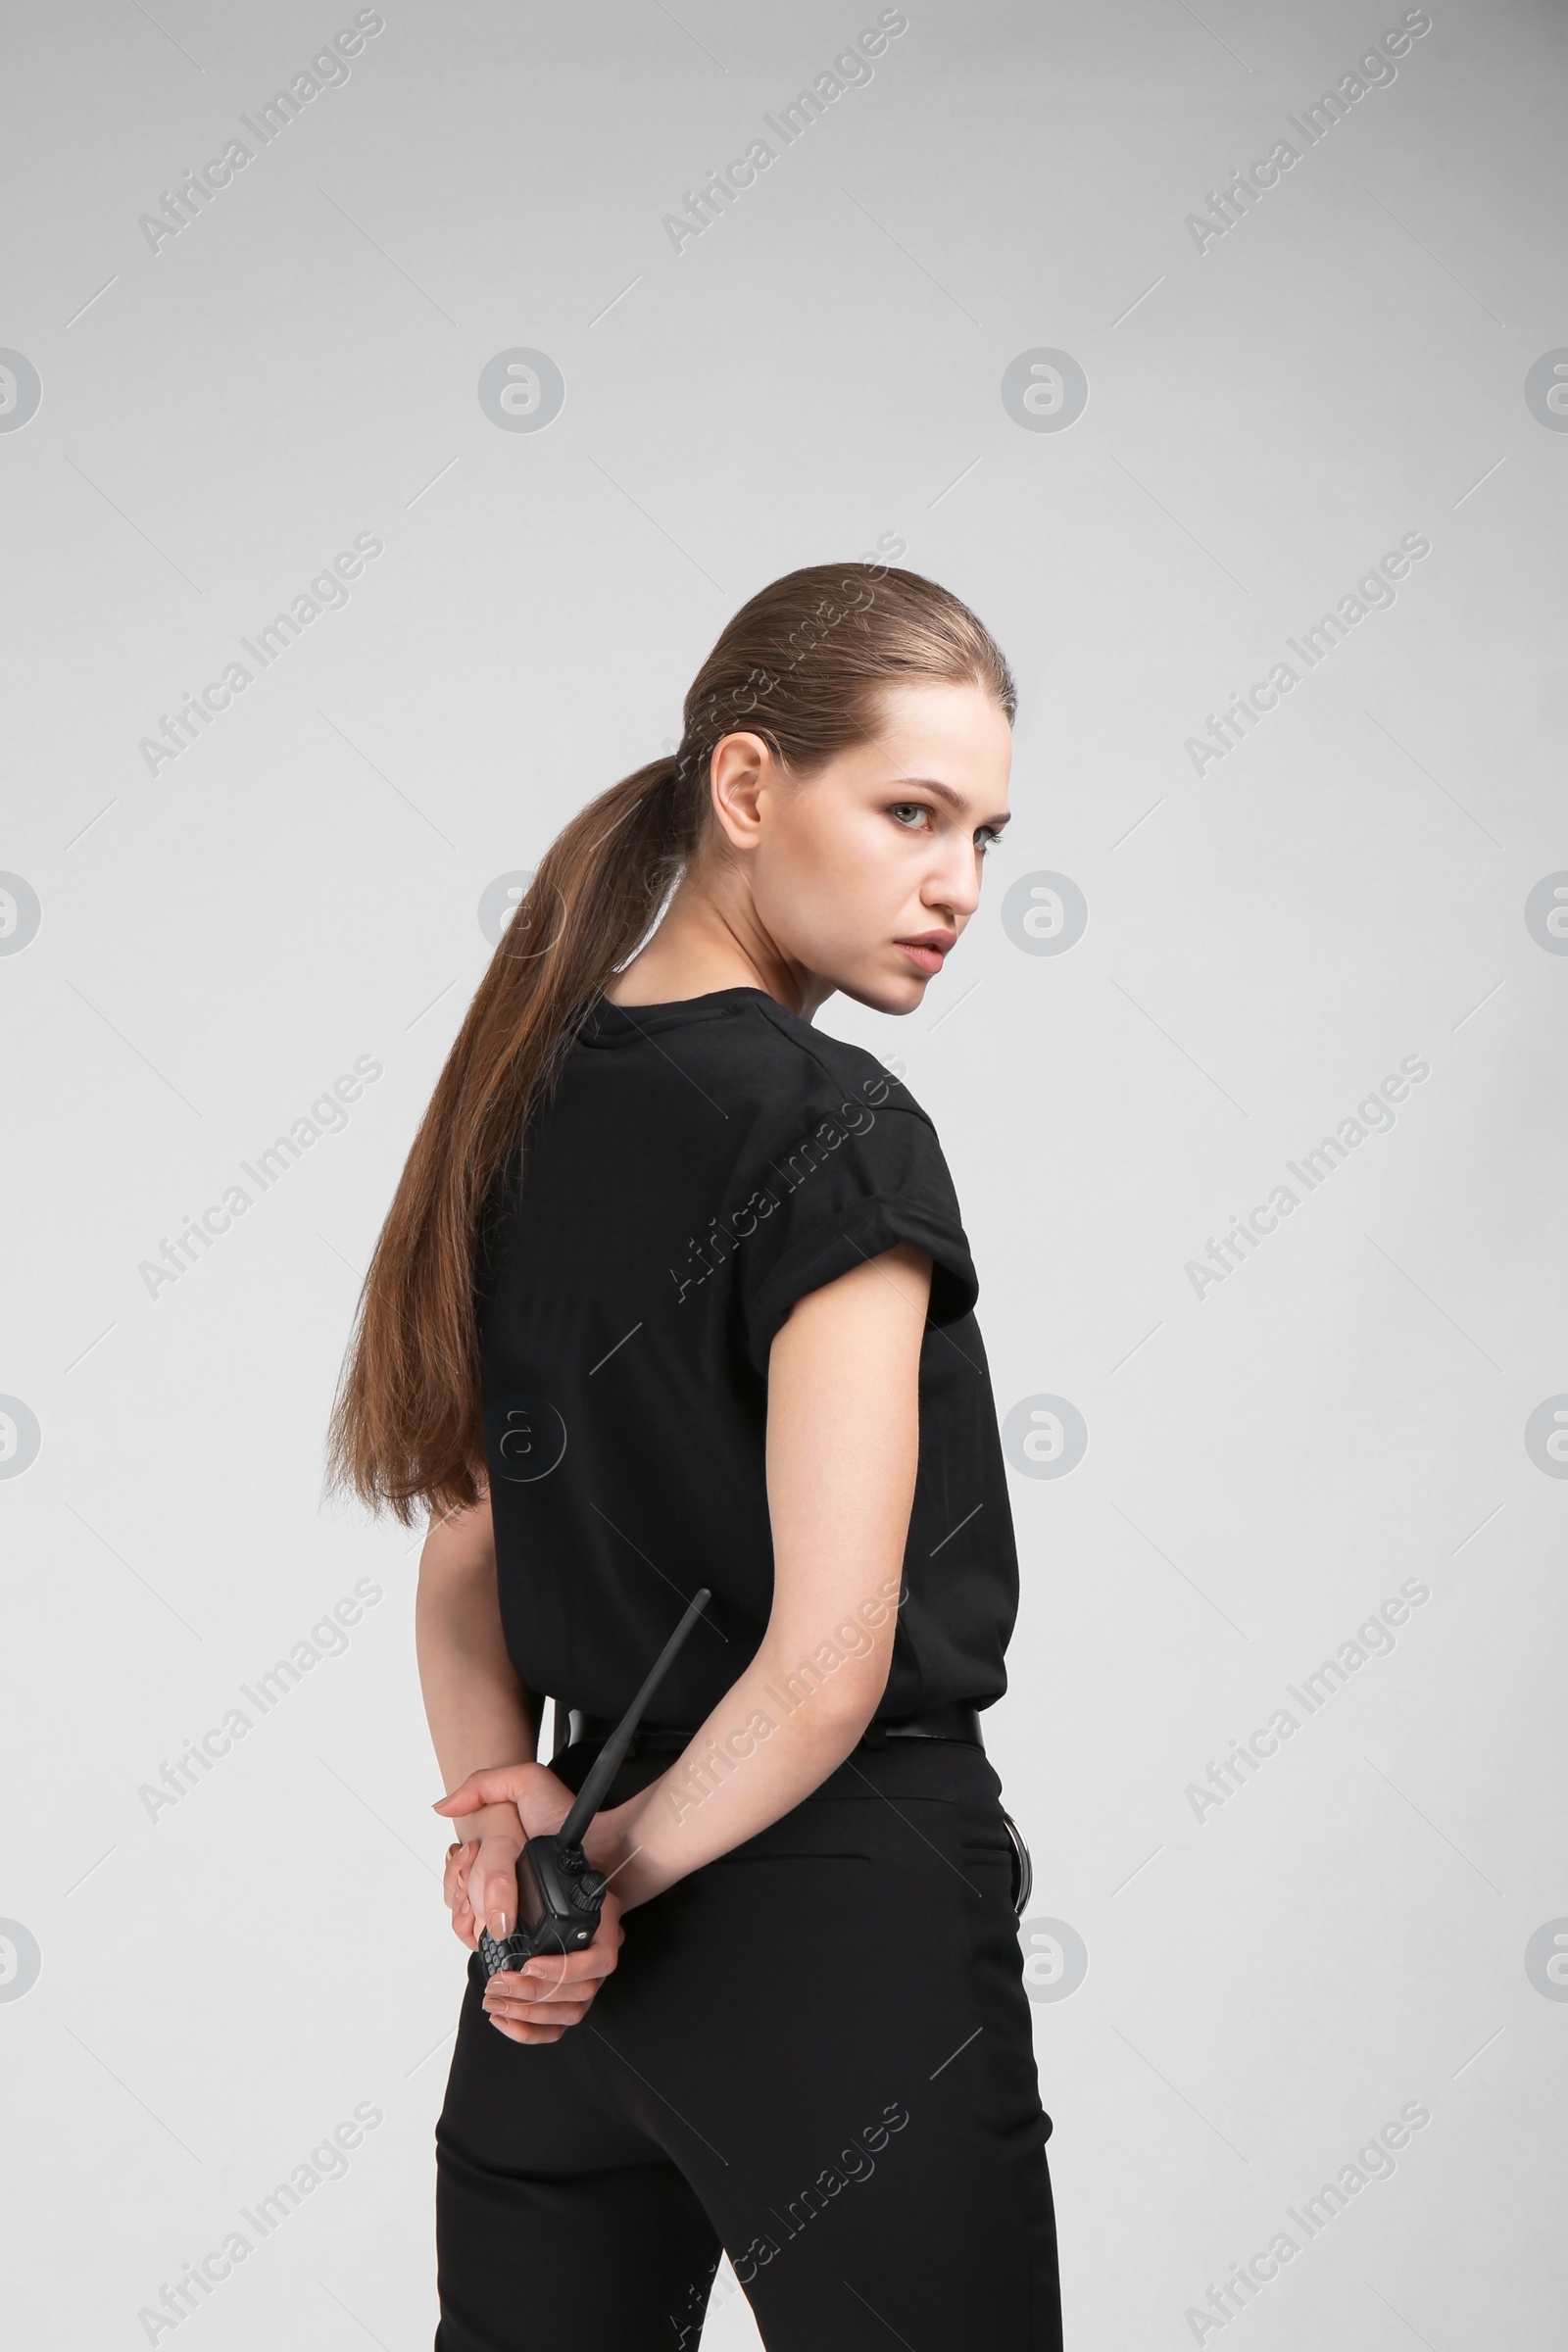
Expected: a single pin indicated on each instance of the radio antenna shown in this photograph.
(608, 1761)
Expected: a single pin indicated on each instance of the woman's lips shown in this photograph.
(925, 959)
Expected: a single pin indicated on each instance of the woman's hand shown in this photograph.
(480, 1883)
(482, 1869)
(554, 1991)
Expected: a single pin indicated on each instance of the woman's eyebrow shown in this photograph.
(954, 799)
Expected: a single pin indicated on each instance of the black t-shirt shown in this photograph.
(701, 1166)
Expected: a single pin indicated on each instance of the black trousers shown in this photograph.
(816, 2055)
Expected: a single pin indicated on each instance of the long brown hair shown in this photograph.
(802, 665)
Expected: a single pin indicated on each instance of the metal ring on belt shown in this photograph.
(957, 1721)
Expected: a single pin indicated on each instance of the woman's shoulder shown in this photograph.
(745, 1052)
(810, 1067)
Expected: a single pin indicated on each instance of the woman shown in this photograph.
(673, 1292)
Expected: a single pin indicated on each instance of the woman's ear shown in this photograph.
(739, 767)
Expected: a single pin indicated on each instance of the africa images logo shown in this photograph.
(1045, 390)
(21, 391)
(527, 1438)
(522, 389)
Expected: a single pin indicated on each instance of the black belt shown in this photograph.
(956, 1721)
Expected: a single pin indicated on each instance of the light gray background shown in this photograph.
(221, 1985)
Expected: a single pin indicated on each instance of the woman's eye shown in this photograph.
(903, 811)
(986, 838)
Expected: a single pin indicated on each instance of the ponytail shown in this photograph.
(406, 1425)
(801, 666)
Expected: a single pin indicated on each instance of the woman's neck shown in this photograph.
(701, 946)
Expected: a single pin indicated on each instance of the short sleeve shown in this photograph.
(849, 1183)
